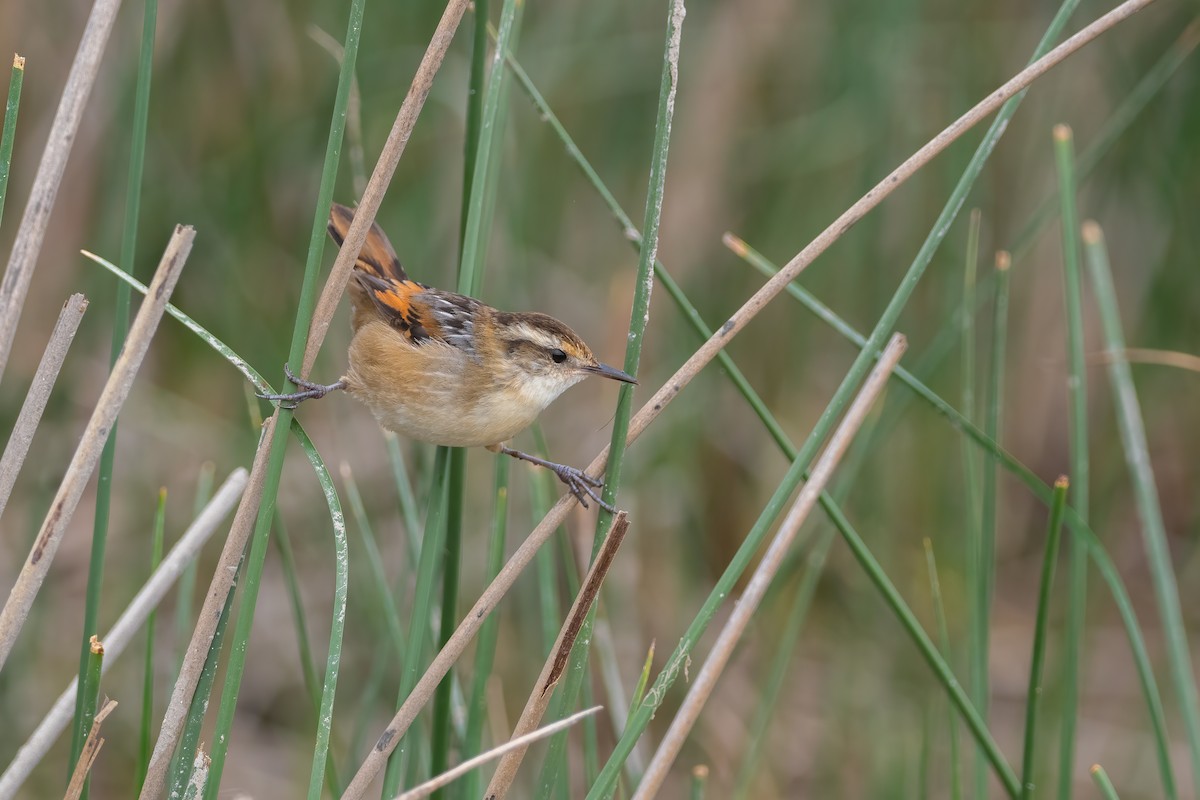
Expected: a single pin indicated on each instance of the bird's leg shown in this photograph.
(579, 482)
(308, 390)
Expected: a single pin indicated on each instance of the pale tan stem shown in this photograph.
(458, 641)
(39, 393)
(88, 453)
(32, 232)
(748, 603)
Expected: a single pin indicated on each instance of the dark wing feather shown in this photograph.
(421, 313)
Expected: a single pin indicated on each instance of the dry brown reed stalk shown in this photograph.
(126, 628)
(747, 604)
(206, 624)
(31, 233)
(120, 381)
(462, 636)
(91, 749)
(39, 393)
(243, 524)
(522, 742)
(552, 670)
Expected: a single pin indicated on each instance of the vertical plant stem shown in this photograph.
(90, 692)
(187, 582)
(418, 621)
(939, 612)
(1137, 456)
(278, 444)
(485, 645)
(1064, 158)
(977, 560)
(156, 549)
(10, 125)
(480, 187)
(1107, 790)
(133, 198)
(181, 766)
(1034, 694)
(699, 782)
(639, 317)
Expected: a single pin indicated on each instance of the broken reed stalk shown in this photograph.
(32, 231)
(552, 670)
(91, 749)
(243, 524)
(83, 463)
(39, 393)
(747, 604)
(650, 411)
(127, 626)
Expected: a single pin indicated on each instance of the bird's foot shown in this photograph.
(579, 482)
(308, 390)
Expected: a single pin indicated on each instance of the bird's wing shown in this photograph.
(421, 313)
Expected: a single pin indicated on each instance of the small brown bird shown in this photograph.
(444, 368)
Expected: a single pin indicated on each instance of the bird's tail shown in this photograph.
(377, 257)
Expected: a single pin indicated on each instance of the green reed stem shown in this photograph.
(147, 722)
(304, 312)
(1077, 413)
(939, 613)
(432, 545)
(90, 692)
(10, 126)
(1107, 790)
(485, 644)
(137, 158)
(1034, 694)
(1137, 455)
(638, 319)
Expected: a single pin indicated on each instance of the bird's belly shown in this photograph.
(433, 393)
(422, 415)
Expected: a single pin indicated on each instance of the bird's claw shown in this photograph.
(582, 486)
(309, 390)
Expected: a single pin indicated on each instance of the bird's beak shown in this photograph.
(605, 371)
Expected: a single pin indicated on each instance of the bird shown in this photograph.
(448, 369)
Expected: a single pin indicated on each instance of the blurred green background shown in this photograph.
(787, 113)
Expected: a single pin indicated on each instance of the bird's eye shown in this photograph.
(558, 355)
